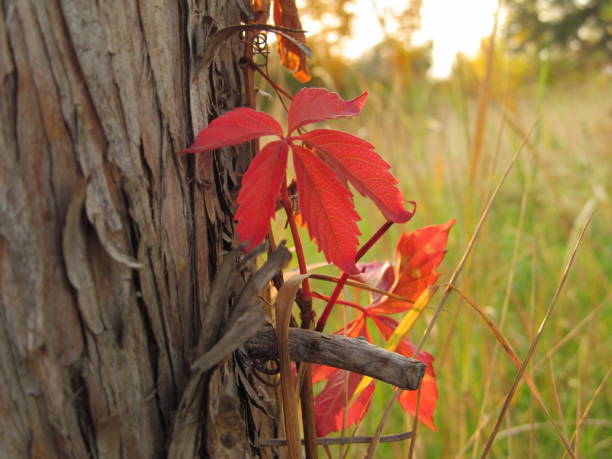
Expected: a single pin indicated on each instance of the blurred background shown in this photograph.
(454, 89)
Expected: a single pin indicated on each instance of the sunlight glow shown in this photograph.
(453, 26)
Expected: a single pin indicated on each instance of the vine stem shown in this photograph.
(342, 302)
(249, 75)
(306, 395)
(272, 83)
(305, 389)
(336, 293)
(297, 241)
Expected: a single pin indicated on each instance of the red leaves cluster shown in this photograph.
(418, 255)
(324, 161)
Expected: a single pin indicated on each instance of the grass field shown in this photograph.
(428, 133)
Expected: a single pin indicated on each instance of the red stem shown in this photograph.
(272, 83)
(306, 395)
(342, 302)
(299, 250)
(336, 293)
(249, 76)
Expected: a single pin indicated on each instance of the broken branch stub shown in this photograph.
(352, 354)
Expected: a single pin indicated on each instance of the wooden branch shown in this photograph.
(353, 354)
(342, 440)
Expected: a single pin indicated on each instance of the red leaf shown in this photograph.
(427, 405)
(326, 204)
(418, 255)
(429, 388)
(327, 209)
(233, 128)
(329, 404)
(317, 104)
(260, 188)
(286, 15)
(360, 406)
(321, 372)
(356, 160)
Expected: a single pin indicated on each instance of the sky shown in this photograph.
(454, 26)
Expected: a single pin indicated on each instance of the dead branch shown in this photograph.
(353, 354)
(342, 440)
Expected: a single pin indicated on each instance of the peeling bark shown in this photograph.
(109, 241)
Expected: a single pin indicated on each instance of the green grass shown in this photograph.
(425, 132)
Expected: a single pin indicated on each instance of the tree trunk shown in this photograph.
(109, 240)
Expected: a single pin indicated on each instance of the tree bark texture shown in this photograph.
(109, 240)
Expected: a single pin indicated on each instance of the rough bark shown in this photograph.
(109, 241)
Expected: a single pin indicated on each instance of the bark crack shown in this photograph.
(165, 335)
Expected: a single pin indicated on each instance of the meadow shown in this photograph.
(448, 148)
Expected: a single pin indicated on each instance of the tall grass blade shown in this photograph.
(506, 302)
(505, 344)
(533, 346)
(586, 411)
(572, 332)
(483, 104)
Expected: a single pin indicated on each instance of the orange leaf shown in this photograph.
(429, 389)
(418, 255)
(261, 11)
(427, 405)
(286, 15)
